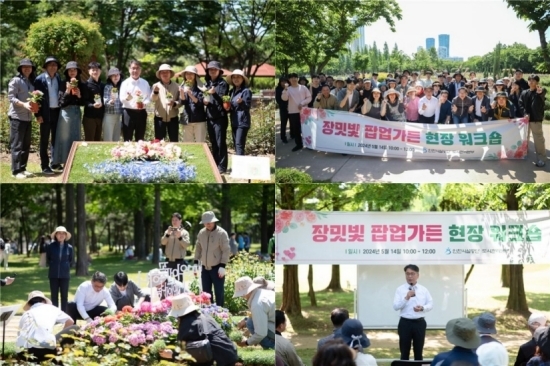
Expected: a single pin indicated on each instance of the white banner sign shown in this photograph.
(352, 133)
(505, 237)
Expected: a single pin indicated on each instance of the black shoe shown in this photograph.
(539, 164)
(57, 168)
(284, 140)
(297, 148)
(47, 171)
(222, 170)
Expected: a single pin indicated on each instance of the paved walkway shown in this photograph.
(334, 167)
(11, 328)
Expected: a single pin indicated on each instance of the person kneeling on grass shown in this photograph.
(125, 291)
(261, 303)
(35, 335)
(88, 299)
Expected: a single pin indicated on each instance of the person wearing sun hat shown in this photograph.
(486, 326)
(492, 354)
(166, 98)
(502, 108)
(213, 251)
(462, 333)
(59, 259)
(20, 113)
(241, 102)
(354, 336)
(411, 104)
(134, 119)
(261, 304)
(94, 109)
(394, 108)
(35, 335)
(193, 97)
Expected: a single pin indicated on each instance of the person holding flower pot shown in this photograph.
(193, 100)
(216, 115)
(113, 106)
(166, 99)
(94, 109)
(241, 101)
(134, 93)
(74, 95)
(20, 113)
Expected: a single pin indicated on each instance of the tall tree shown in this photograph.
(156, 226)
(386, 56)
(81, 251)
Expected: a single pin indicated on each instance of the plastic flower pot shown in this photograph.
(139, 105)
(34, 107)
(207, 98)
(227, 106)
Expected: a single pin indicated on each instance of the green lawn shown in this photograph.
(6, 176)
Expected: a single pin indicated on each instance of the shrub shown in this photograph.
(263, 83)
(261, 136)
(5, 128)
(254, 356)
(292, 175)
(547, 115)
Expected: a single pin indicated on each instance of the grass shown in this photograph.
(534, 300)
(93, 154)
(6, 176)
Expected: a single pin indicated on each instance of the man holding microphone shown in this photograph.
(413, 301)
(175, 240)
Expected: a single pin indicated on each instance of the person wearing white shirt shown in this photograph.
(413, 301)
(88, 299)
(428, 107)
(35, 335)
(134, 94)
(298, 97)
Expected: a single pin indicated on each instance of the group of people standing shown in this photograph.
(120, 105)
(403, 97)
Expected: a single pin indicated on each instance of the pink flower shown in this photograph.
(113, 338)
(99, 340)
(311, 217)
(299, 216)
(322, 113)
(279, 225)
(145, 307)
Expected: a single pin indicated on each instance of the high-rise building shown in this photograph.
(443, 50)
(359, 42)
(430, 43)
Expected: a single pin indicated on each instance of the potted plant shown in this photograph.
(187, 85)
(139, 99)
(226, 99)
(36, 96)
(114, 93)
(169, 96)
(74, 85)
(97, 99)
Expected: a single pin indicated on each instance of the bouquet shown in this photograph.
(226, 99)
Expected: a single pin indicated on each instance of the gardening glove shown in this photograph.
(221, 272)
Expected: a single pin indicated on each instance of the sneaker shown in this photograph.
(540, 164)
(19, 176)
(28, 174)
(57, 167)
(47, 171)
(297, 148)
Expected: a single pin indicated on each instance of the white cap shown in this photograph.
(537, 318)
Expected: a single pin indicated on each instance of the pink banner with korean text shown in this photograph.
(352, 133)
(495, 237)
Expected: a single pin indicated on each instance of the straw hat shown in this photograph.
(411, 90)
(192, 70)
(236, 72)
(165, 67)
(34, 294)
(208, 217)
(156, 277)
(268, 285)
(391, 91)
(244, 286)
(182, 305)
(61, 229)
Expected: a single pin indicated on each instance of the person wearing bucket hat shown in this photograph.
(49, 83)
(298, 96)
(502, 108)
(112, 120)
(94, 109)
(20, 114)
(482, 106)
(486, 326)
(166, 99)
(135, 94)
(36, 326)
(88, 299)
(192, 96)
(70, 116)
(354, 336)
(217, 118)
(261, 304)
(240, 104)
(532, 105)
(462, 333)
(213, 251)
(394, 108)
(527, 350)
(338, 85)
(59, 259)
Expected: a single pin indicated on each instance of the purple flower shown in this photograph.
(113, 338)
(98, 339)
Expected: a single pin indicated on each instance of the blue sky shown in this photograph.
(428, 18)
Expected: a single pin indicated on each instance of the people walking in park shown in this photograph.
(59, 259)
(134, 94)
(297, 96)
(531, 105)
(166, 98)
(112, 120)
(213, 251)
(175, 241)
(241, 102)
(88, 298)
(125, 292)
(217, 121)
(49, 83)
(20, 114)
(74, 94)
(192, 98)
(413, 301)
(94, 109)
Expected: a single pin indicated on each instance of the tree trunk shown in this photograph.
(505, 275)
(291, 292)
(58, 205)
(69, 210)
(148, 221)
(311, 292)
(81, 255)
(334, 284)
(109, 242)
(226, 208)
(512, 204)
(517, 300)
(263, 218)
(544, 48)
(156, 227)
(139, 233)
(93, 247)
(469, 273)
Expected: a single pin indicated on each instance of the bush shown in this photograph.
(547, 115)
(292, 175)
(257, 357)
(263, 83)
(261, 136)
(5, 128)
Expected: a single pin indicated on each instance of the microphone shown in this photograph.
(411, 288)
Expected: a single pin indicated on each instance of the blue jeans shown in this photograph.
(68, 131)
(460, 119)
(266, 343)
(209, 278)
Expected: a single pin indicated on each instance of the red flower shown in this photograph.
(286, 215)
(519, 154)
(299, 216)
(322, 113)
(127, 309)
(279, 225)
(306, 112)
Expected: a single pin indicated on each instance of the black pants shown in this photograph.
(411, 330)
(283, 113)
(20, 144)
(167, 128)
(72, 311)
(424, 119)
(296, 128)
(209, 278)
(239, 138)
(134, 122)
(48, 129)
(59, 286)
(126, 301)
(173, 265)
(217, 133)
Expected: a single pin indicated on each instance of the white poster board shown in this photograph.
(250, 167)
(376, 287)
